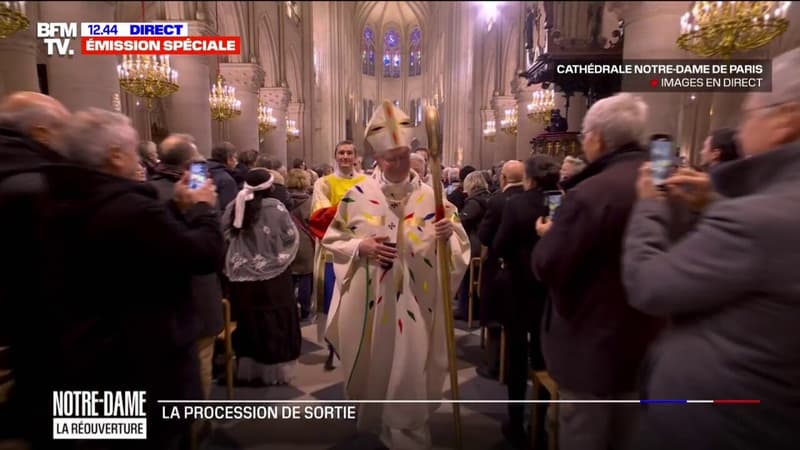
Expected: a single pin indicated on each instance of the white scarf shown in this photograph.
(244, 196)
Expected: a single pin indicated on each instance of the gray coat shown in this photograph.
(732, 290)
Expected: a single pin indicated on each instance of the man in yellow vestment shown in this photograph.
(387, 318)
(328, 191)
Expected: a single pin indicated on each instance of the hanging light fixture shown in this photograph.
(510, 121)
(12, 18)
(292, 132)
(266, 121)
(223, 102)
(147, 76)
(723, 28)
(541, 105)
(489, 130)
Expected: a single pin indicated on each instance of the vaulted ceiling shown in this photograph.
(404, 14)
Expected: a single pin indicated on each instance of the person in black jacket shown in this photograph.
(471, 216)
(593, 341)
(278, 191)
(177, 153)
(245, 160)
(522, 311)
(221, 167)
(492, 286)
(30, 124)
(457, 197)
(107, 328)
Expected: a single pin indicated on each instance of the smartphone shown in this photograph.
(198, 174)
(662, 158)
(552, 201)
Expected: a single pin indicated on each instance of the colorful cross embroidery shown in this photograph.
(411, 314)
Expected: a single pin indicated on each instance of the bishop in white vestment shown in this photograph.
(386, 319)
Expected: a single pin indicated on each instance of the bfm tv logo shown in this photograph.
(99, 415)
(56, 36)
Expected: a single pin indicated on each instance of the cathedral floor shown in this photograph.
(480, 422)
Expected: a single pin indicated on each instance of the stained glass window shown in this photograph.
(391, 54)
(415, 52)
(368, 52)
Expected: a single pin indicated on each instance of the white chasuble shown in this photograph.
(388, 325)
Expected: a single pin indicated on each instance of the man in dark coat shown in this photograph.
(177, 153)
(108, 326)
(30, 124)
(730, 286)
(493, 285)
(279, 191)
(522, 311)
(458, 196)
(221, 167)
(593, 341)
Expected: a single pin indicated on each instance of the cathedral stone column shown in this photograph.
(528, 128)
(18, 58)
(651, 30)
(79, 81)
(247, 79)
(187, 111)
(274, 142)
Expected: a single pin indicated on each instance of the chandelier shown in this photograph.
(147, 76)
(292, 132)
(12, 18)
(542, 103)
(510, 122)
(489, 130)
(722, 28)
(266, 121)
(223, 102)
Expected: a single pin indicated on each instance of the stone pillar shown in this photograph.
(528, 127)
(187, 111)
(725, 109)
(651, 30)
(505, 144)
(247, 79)
(295, 148)
(79, 81)
(18, 58)
(274, 142)
(486, 148)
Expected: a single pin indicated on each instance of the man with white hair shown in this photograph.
(386, 318)
(593, 341)
(729, 286)
(30, 125)
(109, 327)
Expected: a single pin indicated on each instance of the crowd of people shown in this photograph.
(116, 268)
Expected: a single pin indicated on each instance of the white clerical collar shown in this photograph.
(388, 182)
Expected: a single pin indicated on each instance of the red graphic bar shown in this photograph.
(161, 45)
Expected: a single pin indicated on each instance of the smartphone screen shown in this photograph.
(552, 202)
(662, 159)
(198, 174)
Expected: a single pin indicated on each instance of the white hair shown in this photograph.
(474, 182)
(91, 133)
(33, 115)
(785, 80)
(620, 119)
(576, 163)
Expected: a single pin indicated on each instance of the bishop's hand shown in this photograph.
(444, 229)
(375, 248)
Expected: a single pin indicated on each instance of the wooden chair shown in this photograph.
(503, 355)
(542, 379)
(225, 335)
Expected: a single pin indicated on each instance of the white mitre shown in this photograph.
(389, 128)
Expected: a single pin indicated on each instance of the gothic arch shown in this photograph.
(232, 23)
(267, 52)
(293, 73)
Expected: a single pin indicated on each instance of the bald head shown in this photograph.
(37, 115)
(512, 172)
(178, 150)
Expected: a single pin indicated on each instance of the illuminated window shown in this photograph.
(368, 52)
(415, 53)
(391, 54)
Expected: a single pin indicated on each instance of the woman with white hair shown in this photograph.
(477, 191)
(262, 243)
